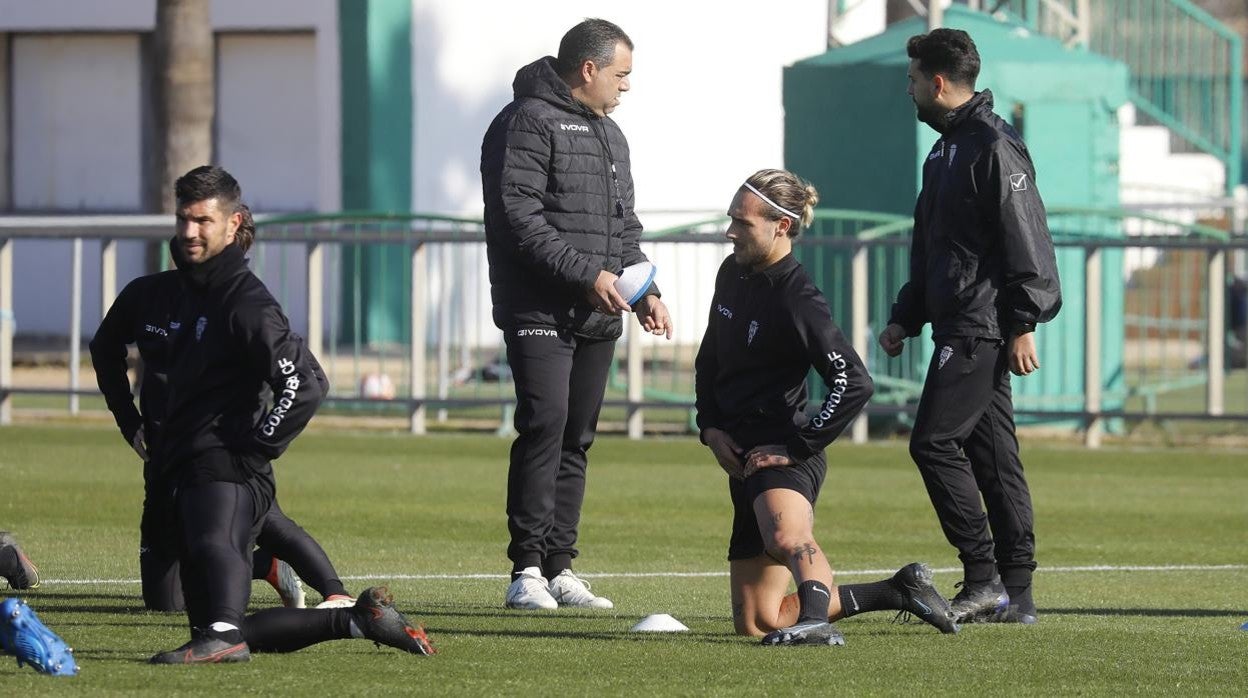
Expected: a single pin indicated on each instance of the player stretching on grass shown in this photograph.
(769, 325)
(140, 316)
(228, 337)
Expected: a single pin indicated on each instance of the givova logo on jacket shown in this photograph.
(574, 127)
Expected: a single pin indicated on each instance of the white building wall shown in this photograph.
(704, 111)
(77, 143)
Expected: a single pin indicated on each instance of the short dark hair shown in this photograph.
(949, 52)
(208, 182)
(592, 40)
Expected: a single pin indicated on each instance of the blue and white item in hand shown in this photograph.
(634, 280)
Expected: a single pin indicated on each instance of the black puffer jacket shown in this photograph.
(558, 194)
(981, 260)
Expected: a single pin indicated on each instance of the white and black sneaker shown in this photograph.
(530, 592)
(569, 590)
(809, 633)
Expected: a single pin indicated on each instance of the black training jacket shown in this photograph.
(140, 315)
(223, 339)
(558, 193)
(981, 259)
(766, 330)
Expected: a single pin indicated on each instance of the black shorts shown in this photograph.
(805, 478)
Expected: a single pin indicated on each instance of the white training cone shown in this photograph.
(659, 623)
(634, 281)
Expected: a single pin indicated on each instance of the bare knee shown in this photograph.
(785, 545)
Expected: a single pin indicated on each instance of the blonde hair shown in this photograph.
(786, 190)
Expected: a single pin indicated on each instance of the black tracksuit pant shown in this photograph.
(279, 537)
(219, 522)
(560, 379)
(965, 446)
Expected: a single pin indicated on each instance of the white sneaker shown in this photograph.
(283, 579)
(570, 590)
(529, 592)
(337, 601)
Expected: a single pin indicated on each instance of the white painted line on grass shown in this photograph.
(626, 575)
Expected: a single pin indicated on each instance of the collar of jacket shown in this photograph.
(540, 80)
(981, 101)
(208, 274)
(772, 273)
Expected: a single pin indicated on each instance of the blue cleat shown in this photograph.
(24, 636)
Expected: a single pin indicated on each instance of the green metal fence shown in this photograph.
(1141, 334)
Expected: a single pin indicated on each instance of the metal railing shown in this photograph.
(1149, 310)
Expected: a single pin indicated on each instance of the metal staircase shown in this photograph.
(1186, 66)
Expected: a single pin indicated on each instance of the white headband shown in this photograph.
(774, 205)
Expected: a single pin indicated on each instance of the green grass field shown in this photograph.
(425, 515)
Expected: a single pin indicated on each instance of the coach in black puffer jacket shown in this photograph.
(558, 206)
(560, 227)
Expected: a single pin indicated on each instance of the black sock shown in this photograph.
(1018, 584)
(876, 596)
(526, 561)
(231, 636)
(290, 629)
(813, 598)
(555, 564)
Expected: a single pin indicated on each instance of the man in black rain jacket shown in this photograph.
(984, 274)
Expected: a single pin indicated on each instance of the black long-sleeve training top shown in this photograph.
(981, 259)
(766, 330)
(212, 340)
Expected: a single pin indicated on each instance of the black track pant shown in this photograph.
(560, 379)
(218, 523)
(279, 537)
(284, 539)
(158, 544)
(965, 446)
(290, 629)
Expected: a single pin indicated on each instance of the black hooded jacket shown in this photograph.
(558, 194)
(214, 344)
(981, 259)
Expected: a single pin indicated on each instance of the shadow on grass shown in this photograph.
(1145, 612)
(32, 594)
(614, 636)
